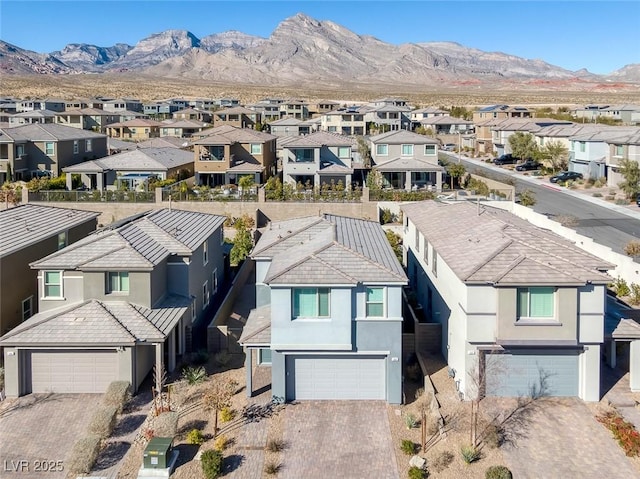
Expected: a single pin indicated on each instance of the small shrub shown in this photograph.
(442, 461)
(414, 371)
(221, 443)
(610, 197)
(118, 394)
(386, 216)
(622, 202)
(624, 432)
(568, 221)
(494, 436)
(408, 447)
(600, 182)
(469, 454)
(195, 436)
(410, 421)
(83, 455)
(103, 421)
(416, 473)
(200, 357)
(166, 424)
(527, 198)
(227, 414)
(612, 192)
(634, 296)
(272, 468)
(211, 461)
(222, 358)
(632, 248)
(621, 287)
(275, 445)
(596, 195)
(498, 472)
(194, 375)
(588, 185)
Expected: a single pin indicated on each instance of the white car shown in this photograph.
(449, 147)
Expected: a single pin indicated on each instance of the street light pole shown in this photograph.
(459, 146)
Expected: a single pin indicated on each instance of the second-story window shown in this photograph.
(375, 302)
(344, 152)
(49, 148)
(619, 150)
(62, 240)
(88, 146)
(52, 284)
(407, 150)
(536, 303)
(205, 253)
(117, 282)
(382, 150)
(310, 302)
(256, 148)
(417, 240)
(429, 150)
(434, 262)
(76, 147)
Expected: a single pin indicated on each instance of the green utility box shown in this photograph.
(156, 454)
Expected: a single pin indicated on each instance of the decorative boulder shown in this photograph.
(417, 461)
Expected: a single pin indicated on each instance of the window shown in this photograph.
(117, 282)
(27, 308)
(311, 302)
(375, 302)
(193, 309)
(406, 224)
(536, 302)
(87, 146)
(344, 152)
(49, 148)
(429, 150)
(76, 147)
(434, 262)
(417, 240)
(619, 150)
(205, 253)
(382, 150)
(407, 150)
(304, 156)
(256, 148)
(583, 146)
(53, 284)
(332, 129)
(62, 240)
(425, 253)
(264, 356)
(205, 294)
(214, 281)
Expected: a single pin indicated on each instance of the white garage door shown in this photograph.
(335, 377)
(72, 371)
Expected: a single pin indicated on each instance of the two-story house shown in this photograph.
(346, 121)
(27, 233)
(292, 127)
(386, 117)
(92, 119)
(195, 114)
(30, 150)
(33, 116)
(318, 158)
(237, 116)
(121, 105)
(589, 151)
(445, 125)
(502, 130)
(488, 116)
(406, 160)
(113, 305)
(520, 307)
(328, 316)
(420, 114)
(138, 129)
(225, 153)
(626, 146)
(294, 108)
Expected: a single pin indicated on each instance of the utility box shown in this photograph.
(157, 453)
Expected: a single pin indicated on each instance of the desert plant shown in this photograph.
(408, 447)
(527, 198)
(442, 461)
(569, 221)
(193, 375)
(221, 443)
(117, 394)
(630, 171)
(621, 287)
(622, 202)
(211, 461)
(498, 472)
(624, 432)
(634, 295)
(494, 436)
(222, 357)
(103, 421)
(199, 357)
(410, 421)
(632, 248)
(469, 454)
(386, 216)
(596, 195)
(272, 468)
(83, 455)
(275, 445)
(218, 397)
(416, 473)
(166, 424)
(227, 414)
(195, 436)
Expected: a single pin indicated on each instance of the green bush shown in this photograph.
(103, 421)
(200, 357)
(416, 473)
(211, 461)
(166, 424)
(494, 436)
(635, 294)
(195, 436)
(597, 195)
(83, 455)
(118, 394)
(410, 421)
(194, 375)
(622, 202)
(621, 287)
(386, 216)
(222, 358)
(408, 447)
(498, 472)
(227, 414)
(442, 461)
(469, 454)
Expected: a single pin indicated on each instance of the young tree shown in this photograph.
(242, 242)
(422, 130)
(456, 171)
(374, 180)
(523, 145)
(245, 183)
(218, 397)
(527, 198)
(557, 154)
(364, 151)
(395, 240)
(630, 171)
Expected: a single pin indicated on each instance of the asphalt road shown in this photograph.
(604, 225)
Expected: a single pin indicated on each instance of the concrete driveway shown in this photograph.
(562, 439)
(38, 430)
(345, 439)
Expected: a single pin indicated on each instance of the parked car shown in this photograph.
(638, 200)
(565, 176)
(528, 165)
(507, 159)
(449, 147)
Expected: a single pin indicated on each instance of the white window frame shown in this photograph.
(205, 253)
(193, 309)
(430, 147)
(29, 302)
(384, 301)
(76, 147)
(49, 151)
(344, 152)
(402, 147)
(88, 146)
(382, 149)
(205, 295)
(317, 294)
(434, 262)
(255, 148)
(45, 284)
(528, 317)
(214, 281)
(63, 239)
(119, 275)
(417, 240)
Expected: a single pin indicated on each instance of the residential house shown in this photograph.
(30, 150)
(346, 121)
(328, 316)
(292, 127)
(386, 117)
(82, 103)
(520, 307)
(488, 116)
(294, 108)
(268, 108)
(181, 128)
(28, 233)
(127, 115)
(590, 153)
(225, 153)
(320, 107)
(194, 114)
(237, 116)
(318, 158)
(626, 146)
(133, 169)
(120, 105)
(503, 129)
(92, 119)
(626, 114)
(391, 101)
(33, 116)
(406, 160)
(137, 130)
(446, 125)
(50, 104)
(161, 110)
(117, 303)
(420, 114)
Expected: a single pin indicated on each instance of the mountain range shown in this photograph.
(301, 50)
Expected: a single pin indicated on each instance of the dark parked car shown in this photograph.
(565, 176)
(528, 165)
(507, 159)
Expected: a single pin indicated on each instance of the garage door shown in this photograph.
(335, 377)
(515, 373)
(72, 371)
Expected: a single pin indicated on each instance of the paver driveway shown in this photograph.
(338, 439)
(38, 430)
(562, 439)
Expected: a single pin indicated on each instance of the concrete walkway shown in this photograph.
(618, 394)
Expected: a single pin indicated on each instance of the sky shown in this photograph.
(601, 36)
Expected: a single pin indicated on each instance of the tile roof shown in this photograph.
(25, 225)
(47, 132)
(318, 140)
(142, 159)
(257, 330)
(138, 244)
(136, 122)
(445, 120)
(164, 142)
(328, 250)
(494, 246)
(627, 329)
(408, 164)
(402, 136)
(227, 134)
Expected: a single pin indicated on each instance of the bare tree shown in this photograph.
(218, 397)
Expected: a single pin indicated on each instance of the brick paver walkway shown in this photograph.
(41, 427)
(338, 439)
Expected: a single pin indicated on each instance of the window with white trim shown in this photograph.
(434, 262)
(407, 150)
(49, 148)
(62, 239)
(382, 150)
(426, 251)
(205, 294)
(214, 281)
(193, 309)
(52, 282)
(117, 282)
(88, 146)
(27, 308)
(429, 150)
(205, 253)
(417, 240)
(344, 152)
(536, 303)
(310, 302)
(256, 148)
(76, 147)
(375, 302)
(619, 150)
